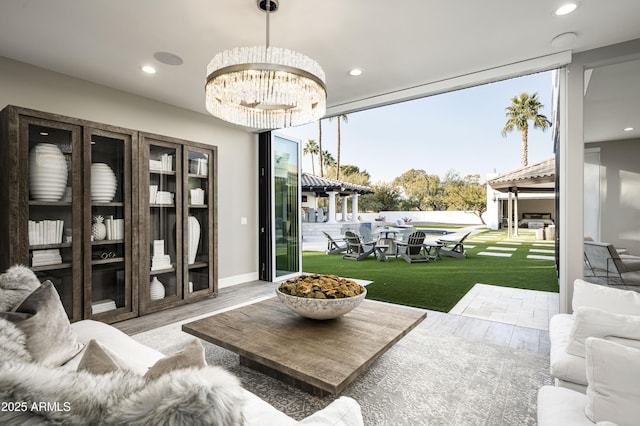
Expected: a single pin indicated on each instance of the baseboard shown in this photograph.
(237, 279)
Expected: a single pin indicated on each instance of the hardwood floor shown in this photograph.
(439, 323)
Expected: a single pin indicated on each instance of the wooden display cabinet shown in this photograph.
(177, 228)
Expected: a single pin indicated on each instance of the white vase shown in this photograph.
(103, 183)
(47, 172)
(194, 239)
(156, 289)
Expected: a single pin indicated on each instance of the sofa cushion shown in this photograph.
(15, 285)
(613, 373)
(192, 356)
(593, 322)
(138, 357)
(564, 366)
(43, 320)
(344, 411)
(559, 406)
(605, 298)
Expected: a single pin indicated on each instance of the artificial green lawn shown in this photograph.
(441, 284)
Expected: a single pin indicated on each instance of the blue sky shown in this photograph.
(457, 130)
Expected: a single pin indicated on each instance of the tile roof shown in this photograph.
(313, 183)
(539, 175)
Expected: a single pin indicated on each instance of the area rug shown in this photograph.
(422, 380)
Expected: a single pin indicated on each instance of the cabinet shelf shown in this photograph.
(49, 246)
(162, 172)
(50, 203)
(197, 176)
(163, 205)
(58, 266)
(198, 206)
(107, 204)
(162, 271)
(107, 261)
(106, 242)
(198, 265)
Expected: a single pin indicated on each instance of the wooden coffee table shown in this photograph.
(321, 357)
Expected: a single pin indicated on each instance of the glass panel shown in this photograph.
(108, 217)
(198, 222)
(162, 222)
(286, 206)
(50, 208)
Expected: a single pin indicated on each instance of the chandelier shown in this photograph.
(265, 87)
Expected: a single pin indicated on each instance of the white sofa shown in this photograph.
(343, 411)
(594, 359)
(88, 372)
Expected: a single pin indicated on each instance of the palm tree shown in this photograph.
(344, 118)
(311, 148)
(320, 145)
(523, 108)
(327, 159)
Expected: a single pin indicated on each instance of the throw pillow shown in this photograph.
(602, 297)
(593, 322)
(15, 285)
(613, 374)
(99, 360)
(43, 320)
(191, 356)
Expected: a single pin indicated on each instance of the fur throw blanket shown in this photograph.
(40, 395)
(15, 285)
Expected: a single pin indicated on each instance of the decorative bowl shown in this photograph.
(321, 308)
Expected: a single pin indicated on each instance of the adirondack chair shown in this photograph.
(356, 248)
(454, 248)
(332, 244)
(413, 249)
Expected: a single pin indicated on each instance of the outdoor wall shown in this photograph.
(31, 87)
(619, 193)
(446, 217)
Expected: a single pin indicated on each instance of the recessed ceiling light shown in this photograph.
(628, 129)
(566, 9)
(44, 133)
(355, 72)
(149, 69)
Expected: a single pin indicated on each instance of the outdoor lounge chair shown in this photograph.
(454, 248)
(356, 248)
(604, 257)
(332, 244)
(413, 249)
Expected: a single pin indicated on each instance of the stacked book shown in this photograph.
(102, 306)
(165, 164)
(159, 260)
(115, 228)
(45, 232)
(46, 257)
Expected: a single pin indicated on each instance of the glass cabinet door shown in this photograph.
(54, 188)
(198, 229)
(108, 236)
(162, 253)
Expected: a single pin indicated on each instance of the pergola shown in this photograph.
(538, 177)
(327, 187)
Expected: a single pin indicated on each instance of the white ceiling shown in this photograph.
(399, 45)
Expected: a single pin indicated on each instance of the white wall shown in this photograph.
(31, 87)
(620, 193)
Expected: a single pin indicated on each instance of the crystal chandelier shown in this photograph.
(265, 87)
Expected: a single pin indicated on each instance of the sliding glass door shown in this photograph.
(280, 237)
